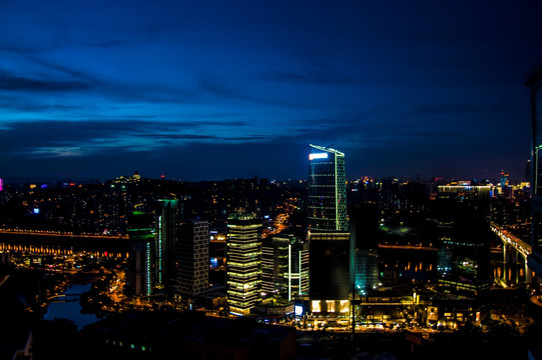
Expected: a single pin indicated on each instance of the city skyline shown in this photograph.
(212, 91)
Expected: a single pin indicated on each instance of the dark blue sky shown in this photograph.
(201, 90)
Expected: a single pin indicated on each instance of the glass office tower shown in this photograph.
(166, 238)
(140, 276)
(327, 190)
(329, 240)
(534, 81)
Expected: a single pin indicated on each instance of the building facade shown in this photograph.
(193, 259)
(328, 236)
(140, 275)
(244, 262)
(534, 82)
(285, 266)
(327, 190)
(166, 237)
(363, 226)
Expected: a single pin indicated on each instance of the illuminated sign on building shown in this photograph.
(318, 156)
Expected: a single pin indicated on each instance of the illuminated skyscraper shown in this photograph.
(244, 262)
(327, 190)
(329, 240)
(193, 259)
(140, 275)
(165, 242)
(534, 81)
(285, 266)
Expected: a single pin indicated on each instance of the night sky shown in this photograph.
(205, 90)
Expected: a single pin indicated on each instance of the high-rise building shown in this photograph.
(165, 243)
(329, 240)
(193, 259)
(534, 81)
(244, 262)
(463, 242)
(285, 266)
(366, 275)
(140, 275)
(364, 239)
(327, 190)
(505, 179)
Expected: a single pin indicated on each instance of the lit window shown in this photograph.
(344, 306)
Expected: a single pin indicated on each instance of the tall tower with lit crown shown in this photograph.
(327, 190)
(329, 239)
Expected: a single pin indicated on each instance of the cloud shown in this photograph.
(217, 87)
(93, 83)
(314, 77)
(77, 138)
(12, 82)
(31, 104)
(178, 136)
(108, 44)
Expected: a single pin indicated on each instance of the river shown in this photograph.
(71, 310)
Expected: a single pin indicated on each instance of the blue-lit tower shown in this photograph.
(327, 190)
(329, 239)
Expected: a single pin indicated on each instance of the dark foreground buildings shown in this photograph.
(188, 335)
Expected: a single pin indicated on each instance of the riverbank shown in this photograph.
(70, 307)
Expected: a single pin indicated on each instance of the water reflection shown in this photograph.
(71, 310)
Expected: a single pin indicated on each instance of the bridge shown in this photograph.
(513, 242)
(407, 247)
(509, 239)
(55, 242)
(64, 298)
(68, 234)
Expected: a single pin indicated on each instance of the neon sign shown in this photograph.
(318, 156)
